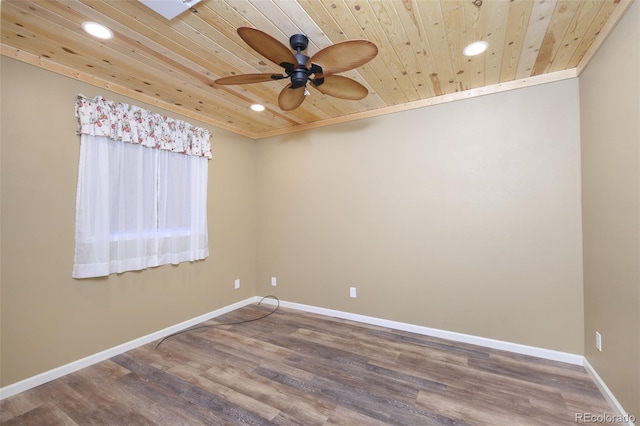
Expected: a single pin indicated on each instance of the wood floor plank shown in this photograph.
(17, 405)
(298, 368)
(197, 402)
(361, 400)
(292, 403)
(82, 401)
(42, 415)
(231, 396)
(464, 407)
(104, 401)
(356, 372)
(345, 417)
(162, 405)
(363, 347)
(436, 347)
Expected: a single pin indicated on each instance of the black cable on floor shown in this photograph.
(226, 323)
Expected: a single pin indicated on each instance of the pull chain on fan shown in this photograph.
(301, 69)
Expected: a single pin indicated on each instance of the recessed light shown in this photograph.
(97, 30)
(257, 107)
(475, 48)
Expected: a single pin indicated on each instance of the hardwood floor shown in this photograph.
(296, 368)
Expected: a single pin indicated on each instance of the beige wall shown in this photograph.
(48, 318)
(610, 132)
(463, 217)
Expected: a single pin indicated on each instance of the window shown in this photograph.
(142, 190)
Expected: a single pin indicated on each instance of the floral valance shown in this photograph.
(128, 123)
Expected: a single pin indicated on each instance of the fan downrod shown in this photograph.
(299, 74)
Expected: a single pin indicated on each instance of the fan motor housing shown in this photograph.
(299, 77)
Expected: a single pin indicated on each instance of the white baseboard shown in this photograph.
(476, 340)
(608, 395)
(434, 332)
(63, 370)
(47, 376)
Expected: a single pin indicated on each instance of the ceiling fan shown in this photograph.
(301, 69)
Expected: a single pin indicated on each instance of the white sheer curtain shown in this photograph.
(140, 203)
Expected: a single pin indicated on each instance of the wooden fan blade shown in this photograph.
(344, 56)
(342, 87)
(290, 98)
(267, 46)
(248, 78)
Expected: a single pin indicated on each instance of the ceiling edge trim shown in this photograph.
(608, 27)
(451, 97)
(52, 66)
(40, 62)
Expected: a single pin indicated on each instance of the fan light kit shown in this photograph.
(301, 69)
(97, 30)
(475, 48)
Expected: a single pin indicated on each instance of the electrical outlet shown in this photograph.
(598, 341)
(352, 292)
(237, 283)
(274, 282)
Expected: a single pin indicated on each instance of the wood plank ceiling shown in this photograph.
(173, 63)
